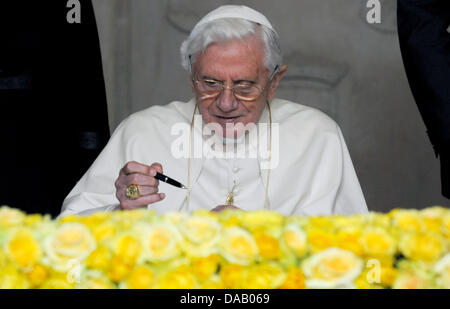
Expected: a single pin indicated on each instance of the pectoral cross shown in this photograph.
(230, 196)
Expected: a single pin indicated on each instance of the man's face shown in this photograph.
(234, 62)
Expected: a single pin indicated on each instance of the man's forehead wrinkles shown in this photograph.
(232, 58)
(226, 74)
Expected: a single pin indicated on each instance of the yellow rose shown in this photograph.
(409, 281)
(160, 242)
(432, 218)
(94, 219)
(422, 246)
(348, 238)
(69, 219)
(264, 276)
(104, 231)
(388, 275)
(214, 282)
(407, 220)
(23, 249)
(205, 213)
(142, 277)
(376, 276)
(33, 220)
(294, 238)
(375, 219)
(118, 270)
(125, 220)
(3, 259)
(174, 217)
(295, 279)
(268, 246)
(320, 240)
(301, 221)
(37, 275)
(332, 268)
(201, 235)
(99, 259)
(200, 229)
(171, 264)
(179, 278)
(42, 229)
(58, 281)
(413, 275)
(322, 223)
(205, 267)
(238, 246)
(376, 242)
(10, 217)
(343, 222)
(445, 228)
(12, 278)
(229, 218)
(442, 269)
(268, 221)
(232, 275)
(132, 215)
(127, 248)
(70, 243)
(361, 282)
(95, 280)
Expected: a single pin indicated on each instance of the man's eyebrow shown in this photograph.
(211, 78)
(239, 81)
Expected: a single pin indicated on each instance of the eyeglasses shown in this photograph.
(245, 91)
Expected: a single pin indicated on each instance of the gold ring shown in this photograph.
(132, 192)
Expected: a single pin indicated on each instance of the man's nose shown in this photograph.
(226, 101)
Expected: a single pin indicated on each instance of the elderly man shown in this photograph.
(235, 66)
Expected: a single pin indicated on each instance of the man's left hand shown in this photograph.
(221, 208)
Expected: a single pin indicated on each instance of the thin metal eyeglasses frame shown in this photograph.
(239, 97)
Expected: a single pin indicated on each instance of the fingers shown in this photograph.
(147, 190)
(224, 207)
(142, 176)
(216, 210)
(141, 202)
(140, 179)
(219, 209)
(133, 167)
(157, 167)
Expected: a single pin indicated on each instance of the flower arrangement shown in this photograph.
(234, 249)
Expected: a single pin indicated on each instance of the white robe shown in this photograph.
(314, 176)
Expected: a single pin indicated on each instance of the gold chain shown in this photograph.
(188, 194)
(230, 197)
(266, 200)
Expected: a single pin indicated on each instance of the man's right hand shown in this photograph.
(143, 176)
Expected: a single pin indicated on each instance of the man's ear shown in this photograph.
(276, 81)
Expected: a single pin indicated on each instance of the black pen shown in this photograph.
(169, 180)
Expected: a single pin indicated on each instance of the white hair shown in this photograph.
(226, 29)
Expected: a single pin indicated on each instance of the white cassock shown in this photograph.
(314, 174)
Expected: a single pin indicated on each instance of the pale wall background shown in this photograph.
(337, 62)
